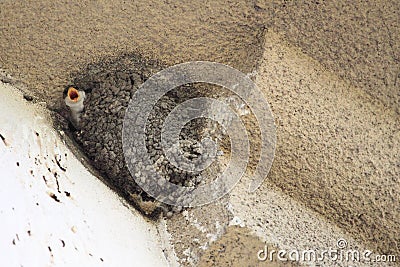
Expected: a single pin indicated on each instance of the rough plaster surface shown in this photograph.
(358, 40)
(337, 149)
(228, 251)
(45, 42)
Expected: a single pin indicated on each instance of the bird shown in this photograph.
(74, 99)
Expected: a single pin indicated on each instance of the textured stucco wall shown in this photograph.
(46, 41)
(337, 149)
(358, 40)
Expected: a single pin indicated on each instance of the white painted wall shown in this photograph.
(88, 226)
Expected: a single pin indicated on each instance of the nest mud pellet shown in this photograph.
(109, 88)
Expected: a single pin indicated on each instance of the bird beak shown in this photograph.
(73, 94)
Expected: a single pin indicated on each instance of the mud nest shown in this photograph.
(109, 86)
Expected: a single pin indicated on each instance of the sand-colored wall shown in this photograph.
(358, 40)
(43, 43)
(337, 149)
